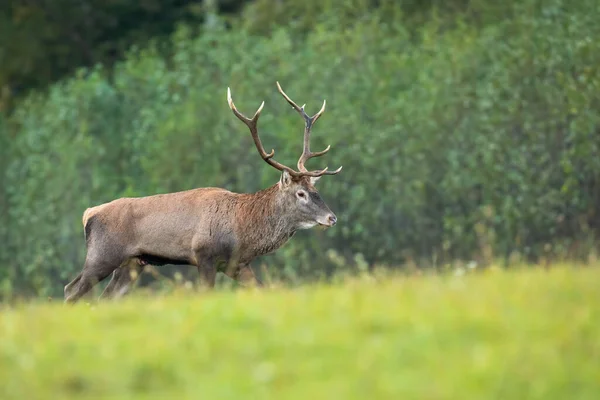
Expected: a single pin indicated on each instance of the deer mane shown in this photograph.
(261, 219)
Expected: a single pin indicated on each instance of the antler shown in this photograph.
(309, 122)
(251, 123)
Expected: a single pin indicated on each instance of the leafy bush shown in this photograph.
(456, 138)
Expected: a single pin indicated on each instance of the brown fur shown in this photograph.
(212, 228)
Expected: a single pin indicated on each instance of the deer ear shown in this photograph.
(285, 179)
(314, 179)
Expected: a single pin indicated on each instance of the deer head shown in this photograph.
(296, 194)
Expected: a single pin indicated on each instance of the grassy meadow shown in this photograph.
(523, 333)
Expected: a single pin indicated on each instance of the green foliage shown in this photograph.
(525, 334)
(304, 16)
(44, 40)
(459, 140)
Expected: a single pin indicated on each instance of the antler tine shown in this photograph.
(251, 123)
(325, 172)
(306, 153)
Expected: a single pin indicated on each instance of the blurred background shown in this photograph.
(468, 129)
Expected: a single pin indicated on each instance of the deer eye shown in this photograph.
(301, 194)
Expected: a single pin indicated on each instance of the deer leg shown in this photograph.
(123, 279)
(208, 273)
(89, 278)
(98, 265)
(70, 285)
(244, 275)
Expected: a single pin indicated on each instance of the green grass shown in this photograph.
(523, 334)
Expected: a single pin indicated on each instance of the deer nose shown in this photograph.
(332, 219)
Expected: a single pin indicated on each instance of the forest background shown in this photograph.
(469, 130)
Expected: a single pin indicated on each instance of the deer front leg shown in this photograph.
(244, 275)
(208, 273)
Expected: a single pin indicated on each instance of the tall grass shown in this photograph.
(528, 333)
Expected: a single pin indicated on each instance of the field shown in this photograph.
(526, 333)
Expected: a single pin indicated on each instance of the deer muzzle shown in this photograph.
(327, 222)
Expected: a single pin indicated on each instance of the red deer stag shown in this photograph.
(211, 228)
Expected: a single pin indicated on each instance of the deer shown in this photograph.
(212, 228)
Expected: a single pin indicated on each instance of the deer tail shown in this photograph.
(87, 222)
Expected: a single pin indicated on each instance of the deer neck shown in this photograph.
(266, 225)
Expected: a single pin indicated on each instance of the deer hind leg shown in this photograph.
(70, 285)
(100, 262)
(123, 279)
